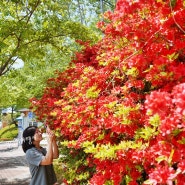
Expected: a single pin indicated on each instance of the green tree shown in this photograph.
(27, 27)
(41, 33)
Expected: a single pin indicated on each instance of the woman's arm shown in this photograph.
(55, 149)
(48, 159)
(54, 144)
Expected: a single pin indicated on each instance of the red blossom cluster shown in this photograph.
(121, 103)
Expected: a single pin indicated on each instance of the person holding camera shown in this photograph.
(40, 159)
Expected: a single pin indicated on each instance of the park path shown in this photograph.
(13, 166)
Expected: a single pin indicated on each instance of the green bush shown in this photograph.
(9, 132)
(58, 170)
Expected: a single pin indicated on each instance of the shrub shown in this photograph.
(8, 133)
(120, 108)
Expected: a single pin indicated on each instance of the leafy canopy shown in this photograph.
(42, 34)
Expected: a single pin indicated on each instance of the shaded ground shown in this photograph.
(13, 166)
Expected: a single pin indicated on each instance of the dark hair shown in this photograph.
(28, 134)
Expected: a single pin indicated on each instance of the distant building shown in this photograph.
(27, 118)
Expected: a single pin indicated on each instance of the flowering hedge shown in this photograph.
(120, 106)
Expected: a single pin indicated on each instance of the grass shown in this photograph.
(8, 133)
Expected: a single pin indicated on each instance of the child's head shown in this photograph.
(28, 138)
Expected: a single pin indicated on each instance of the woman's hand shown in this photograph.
(50, 132)
(51, 136)
(54, 144)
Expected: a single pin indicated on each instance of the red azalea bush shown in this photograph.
(120, 107)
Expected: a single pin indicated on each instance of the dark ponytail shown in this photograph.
(28, 135)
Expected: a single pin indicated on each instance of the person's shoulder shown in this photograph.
(30, 150)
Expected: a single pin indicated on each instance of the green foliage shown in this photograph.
(58, 167)
(72, 165)
(9, 132)
(42, 34)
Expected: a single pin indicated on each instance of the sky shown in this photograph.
(18, 63)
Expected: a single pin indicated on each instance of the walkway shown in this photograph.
(13, 166)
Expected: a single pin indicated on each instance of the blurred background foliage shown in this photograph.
(37, 37)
